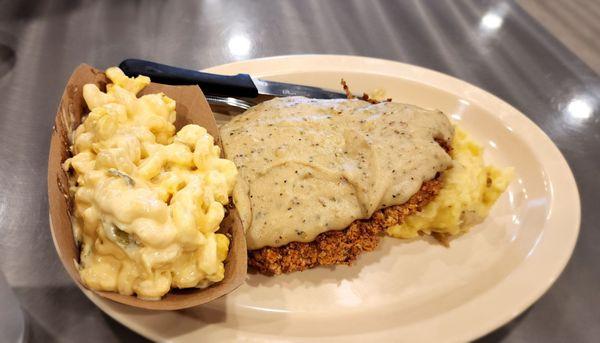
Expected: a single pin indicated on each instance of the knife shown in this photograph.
(233, 86)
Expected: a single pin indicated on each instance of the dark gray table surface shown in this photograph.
(492, 44)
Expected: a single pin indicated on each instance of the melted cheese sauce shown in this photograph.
(308, 166)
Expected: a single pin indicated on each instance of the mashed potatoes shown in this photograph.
(470, 189)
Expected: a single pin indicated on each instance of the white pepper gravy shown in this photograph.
(308, 166)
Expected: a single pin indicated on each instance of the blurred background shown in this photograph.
(543, 57)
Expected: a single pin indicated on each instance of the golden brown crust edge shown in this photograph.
(341, 246)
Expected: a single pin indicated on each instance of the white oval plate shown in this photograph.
(405, 290)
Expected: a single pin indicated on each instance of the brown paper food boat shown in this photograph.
(191, 108)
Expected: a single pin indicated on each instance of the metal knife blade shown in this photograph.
(281, 89)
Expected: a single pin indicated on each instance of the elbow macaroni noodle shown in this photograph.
(148, 201)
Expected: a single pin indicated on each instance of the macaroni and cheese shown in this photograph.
(148, 201)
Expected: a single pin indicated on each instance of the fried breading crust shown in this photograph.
(340, 246)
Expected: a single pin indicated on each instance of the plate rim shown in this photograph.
(503, 110)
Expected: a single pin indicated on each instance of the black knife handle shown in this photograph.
(240, 85)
